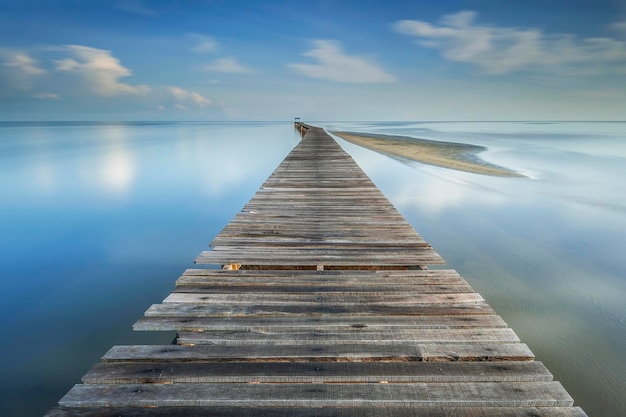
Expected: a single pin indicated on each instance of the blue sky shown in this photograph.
(321, 60)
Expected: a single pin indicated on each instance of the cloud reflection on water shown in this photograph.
(117, 170)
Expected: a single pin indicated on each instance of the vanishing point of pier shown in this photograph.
(324, 306)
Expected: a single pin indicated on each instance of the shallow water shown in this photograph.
(98, 220)
(547, 252)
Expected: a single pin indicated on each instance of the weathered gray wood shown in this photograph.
(314, 372)
(345, 323)
(363, 279)
(312, 309)
(356, 335)
(501, 394)
(361, 411)
(285, 299)
(343, 257)
(325, 289)
(314, 352)
(339, 274)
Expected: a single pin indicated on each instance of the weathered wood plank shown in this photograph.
(288, 281)
(485, 394)
(319, 310)
(392, 273)
(346, 323)
(318, 289)
(362, 411)
(282, 256)
(372, 299)
(355, 335)
(325, 353)
(295, 240)
(313, 278)
(314, 372)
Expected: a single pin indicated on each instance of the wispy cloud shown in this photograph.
(21, 62)
(619, 27)
(500, 50)
(135, 7)
(19, 72)
(335, 65)
(47, 96)
(207, 44)
(186, 96)
(99, 70)
(203, 43)
(228, 65)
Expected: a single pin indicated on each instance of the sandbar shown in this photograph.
(452, 155)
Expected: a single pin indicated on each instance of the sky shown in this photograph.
(319, 60)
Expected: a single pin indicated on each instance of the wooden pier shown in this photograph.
(324, 306)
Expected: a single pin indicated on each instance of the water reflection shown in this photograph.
(44, 177)
(98, 220)
(117, 170)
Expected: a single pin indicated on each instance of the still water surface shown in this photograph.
(99, 219)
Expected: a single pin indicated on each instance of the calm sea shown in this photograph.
(99, 219)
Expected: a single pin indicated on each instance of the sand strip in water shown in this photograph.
(452, 155)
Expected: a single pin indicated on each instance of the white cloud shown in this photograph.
(334, 65)
(203, 43)
(500, 50)
(99, 70)
(19, 73)
(228, 65)
(22, 63)
(188, 97)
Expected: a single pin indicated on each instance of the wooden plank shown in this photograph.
(293, 210)
(296, 239)
(295, 217)
(314, 372)
(318, 310)
(362, 279)
(345, 352)
(372, 299)
(331, 253)
(339, 274)
(266, 189)
(362, 411)
(346, 323)
(318, 289)
(484, 394)
(356, 335)
(281, 256)
(367, 283)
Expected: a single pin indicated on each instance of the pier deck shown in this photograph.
(324, 307)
